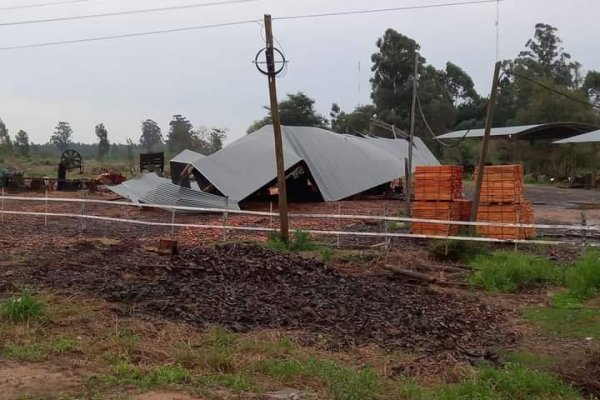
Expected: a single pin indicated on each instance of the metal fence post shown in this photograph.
(82, 225)
(517, 232)
(339, 224)
(225, 218)
(583, 233)
(46, 208)
(385, 227)
(271, 215)
(2, 202)
(173, 223)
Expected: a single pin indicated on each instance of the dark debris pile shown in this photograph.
(246, 287)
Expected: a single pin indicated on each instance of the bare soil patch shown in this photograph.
(18, 380)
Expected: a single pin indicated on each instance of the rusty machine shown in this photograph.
(69, 160)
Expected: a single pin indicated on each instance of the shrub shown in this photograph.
(23, 308)
(506, 271)
(456, 250)
(299, 241)
(583, 279)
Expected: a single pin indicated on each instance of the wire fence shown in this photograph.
(582, 234)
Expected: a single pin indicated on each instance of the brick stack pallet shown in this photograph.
(438, 195)
(503, 201)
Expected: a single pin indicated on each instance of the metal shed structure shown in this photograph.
(590, 137)
(338, 165)
(180, 162)
(551, 131)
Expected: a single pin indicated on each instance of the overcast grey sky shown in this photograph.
(207, 75)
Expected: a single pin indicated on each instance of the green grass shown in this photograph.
(25, 308)
(342, 382)
(25, 352)
(583, 279)
(576, 323)
(299, 241)
(513, 382)
(509, 272)
(125, 374)
(456, 250)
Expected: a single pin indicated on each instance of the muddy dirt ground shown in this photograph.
(247, 288)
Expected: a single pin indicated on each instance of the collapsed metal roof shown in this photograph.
(187, 157)
(557, 130)
(152, 189)
(341, 165)
(590, 137)
(179, 163)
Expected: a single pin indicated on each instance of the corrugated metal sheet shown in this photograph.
(180, 162)
(246, 165)
(152, 189)
(342, 165)
(187, 157)
(589, 137)
(557, 130)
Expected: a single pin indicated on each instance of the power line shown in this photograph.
(49, 4)
(381, 10)
(550, 88)
(100, 38)
(198, 27)
(116, 13)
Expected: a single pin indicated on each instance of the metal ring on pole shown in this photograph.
(262, 71)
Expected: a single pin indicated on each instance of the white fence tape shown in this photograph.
(580, 228)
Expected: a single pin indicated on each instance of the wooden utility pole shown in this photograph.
(411, 138)
(485, 144)
(282, 192)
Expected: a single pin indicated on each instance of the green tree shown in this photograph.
(393, 71)
(208, 141)
(61, 137)
(297, 110)
(358, 121)
(591, 86)
(22, 142)
(151, 135)
(545, 58)
(459, 85)
(5, 142)
(181, 135)
(216, 138)
(439, 91)
(103, 143)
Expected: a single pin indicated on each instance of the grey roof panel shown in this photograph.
(342, 165)
(589, 137)
(554, 130)
(246, 165)
(476, 133)
(152, 189)
(187, 157)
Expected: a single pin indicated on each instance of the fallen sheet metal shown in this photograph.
(152, 189)
(342, 165)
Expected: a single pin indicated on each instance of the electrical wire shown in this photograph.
(550, 88)
(431, 131)
(49, 4)
(381, 10)
(130, 12)
(101, 38)
(291, 17)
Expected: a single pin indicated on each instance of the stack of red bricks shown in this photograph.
(503, 201)
(438, 195)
